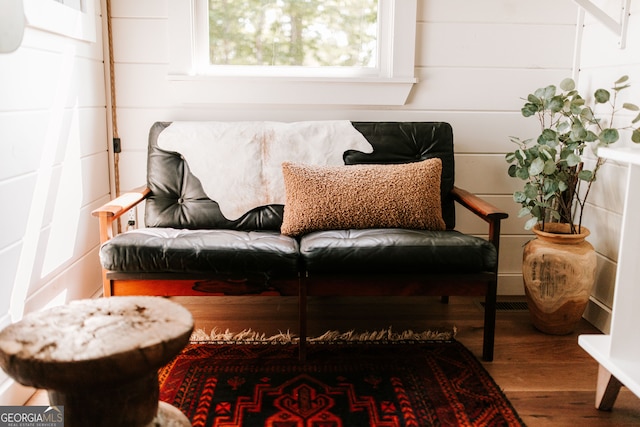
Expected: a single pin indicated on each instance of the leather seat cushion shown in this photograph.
(394, 250)
(159, 250)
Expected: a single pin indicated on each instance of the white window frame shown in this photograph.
(193, 82)
(59, 18)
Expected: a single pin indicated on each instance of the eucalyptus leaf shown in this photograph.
(536, 168)
(621, 80)
(549, 92)
(556, 104)
(609, 136)
(575, 108)
(550, 185)
(578, 101)
(530, 191)
(586, 175)
(531, 223)
(586, 114)
(539, 93)
(524, 212)
(578, 132)
(563, 127)
(635, 136)
(630, 107)
(529, 110)
(544, 152)
(591, 136)
(549, 167)
(522, 173)
(537, 211)
(549, 135)
(602, 96)
(568, 84)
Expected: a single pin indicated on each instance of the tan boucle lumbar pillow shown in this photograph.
(362, 196)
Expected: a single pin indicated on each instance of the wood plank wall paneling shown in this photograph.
(53, 170)
(497, 11)
(467, 44)
(601, 63)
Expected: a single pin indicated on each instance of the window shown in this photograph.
(71, 18)
(279, 33)
(380, 73)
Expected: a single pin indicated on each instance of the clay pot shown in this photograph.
(559, 271)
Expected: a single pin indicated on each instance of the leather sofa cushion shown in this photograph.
(373, 251)
(167, 250)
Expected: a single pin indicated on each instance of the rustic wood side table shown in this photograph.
(99, 358)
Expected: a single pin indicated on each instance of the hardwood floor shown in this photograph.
(550, 380)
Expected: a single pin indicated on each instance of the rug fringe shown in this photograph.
(384, 335)
(247, 335)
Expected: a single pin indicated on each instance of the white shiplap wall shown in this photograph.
(474, 62)
(53, 172)
(601, 63)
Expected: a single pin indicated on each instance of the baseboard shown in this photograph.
(510, 284)
(599, 315)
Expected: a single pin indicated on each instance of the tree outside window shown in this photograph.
(308, 33)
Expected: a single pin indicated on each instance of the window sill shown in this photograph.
(188, 89)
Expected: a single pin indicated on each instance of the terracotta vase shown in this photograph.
(559, 271)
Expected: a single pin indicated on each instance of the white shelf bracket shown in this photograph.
(617, 27)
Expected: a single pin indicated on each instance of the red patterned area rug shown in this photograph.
(436, 383)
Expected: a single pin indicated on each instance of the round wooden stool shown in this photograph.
(99, 358)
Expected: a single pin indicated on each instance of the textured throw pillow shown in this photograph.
(362, 196)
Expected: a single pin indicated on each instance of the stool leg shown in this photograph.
(132, 404)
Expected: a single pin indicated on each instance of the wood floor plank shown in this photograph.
(574, 408)
(549, 379)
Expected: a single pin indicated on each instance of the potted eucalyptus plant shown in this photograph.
(559, 264)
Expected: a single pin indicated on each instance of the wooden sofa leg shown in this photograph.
(302, 313)
(444, 299)
(489, 322)
(107, 285)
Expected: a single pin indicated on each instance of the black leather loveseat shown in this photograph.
(189, 247)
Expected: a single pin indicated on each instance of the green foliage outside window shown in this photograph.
(310, 33)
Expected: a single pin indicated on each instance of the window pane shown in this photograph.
(310, 33)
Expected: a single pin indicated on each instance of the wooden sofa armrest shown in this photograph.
(113, 210)
(484, 210)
